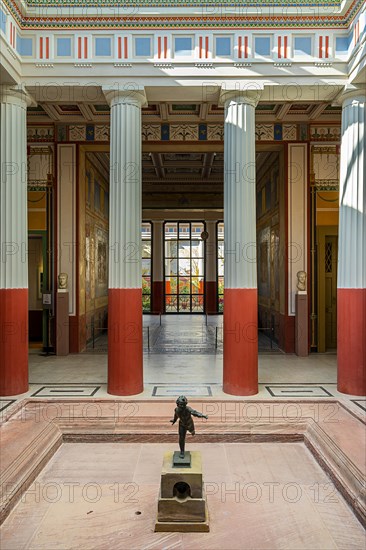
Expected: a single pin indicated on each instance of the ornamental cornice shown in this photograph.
(236, 14)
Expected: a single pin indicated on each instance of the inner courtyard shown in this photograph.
(182, 219)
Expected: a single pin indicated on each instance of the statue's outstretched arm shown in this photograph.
(196, 413)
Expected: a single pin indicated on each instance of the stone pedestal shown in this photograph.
(301, 324)
(62, 322)
(182, 505)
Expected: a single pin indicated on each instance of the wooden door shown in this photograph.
(330, 273)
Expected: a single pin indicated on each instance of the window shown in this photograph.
(262, 46)
(103, 47)
(63, 47)
(223, 46)
(184, 267)
(146, 265)
(182, 46)
(25, 46)
(143, 46)
(342, 44)
(302, 45)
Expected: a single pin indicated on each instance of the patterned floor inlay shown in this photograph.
(360, 403)
(182, 389)
(299, 391)
(5, 403)
(66, 390)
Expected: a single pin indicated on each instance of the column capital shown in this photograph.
(249, 94)
(16, 95)
(128, 94)
(350, 94)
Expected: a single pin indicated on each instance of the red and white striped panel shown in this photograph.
(356, 32)
(83, 47)
(243, 47)
(162, 47)
(323, 47)
(44, 47)
(12, 35)
(122, 47)
(203, 47)
(282, 45)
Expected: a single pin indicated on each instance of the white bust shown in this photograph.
(301, 280)
(62, 281)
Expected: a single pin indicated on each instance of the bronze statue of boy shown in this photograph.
(184, 414)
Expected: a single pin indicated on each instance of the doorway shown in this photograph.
(327, 285)
(36, 278)
(184, 267)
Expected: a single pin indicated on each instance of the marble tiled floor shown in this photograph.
(260, 496)
(195, 374)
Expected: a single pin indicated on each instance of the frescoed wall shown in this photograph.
(96, 245)
(268, 246)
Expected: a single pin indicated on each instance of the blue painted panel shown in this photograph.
(143, 46)
(223, 45)
(165, 132)
(278, 132)
(202, 132)
(343, 43)
(182, 46)
(263, 45)
(2, 21)
(90, 132)
(63, 47)
(103, 47)
(24, 46)
(302, 45)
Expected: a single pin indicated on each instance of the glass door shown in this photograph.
(184, 267)
(146, 266)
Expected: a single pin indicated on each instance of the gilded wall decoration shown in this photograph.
(183, 132)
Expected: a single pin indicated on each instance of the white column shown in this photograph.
(13, 242)
(240, 296)
(211, 268)
(157, 267)
(351, 295)
(125, 293)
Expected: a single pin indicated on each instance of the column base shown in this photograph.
(13, 341)
(351, 342)
(240, 341)
(211, 297)
(125, 346)
(158, 297)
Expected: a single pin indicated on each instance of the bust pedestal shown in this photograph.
(62, 322)
(301, 324)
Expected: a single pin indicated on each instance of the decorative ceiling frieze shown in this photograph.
(85, 14)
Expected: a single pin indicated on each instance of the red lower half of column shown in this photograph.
(241, 341)
(211, 297)
(158, 297)
(13, 341)
(125, 371)
(351, 340)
